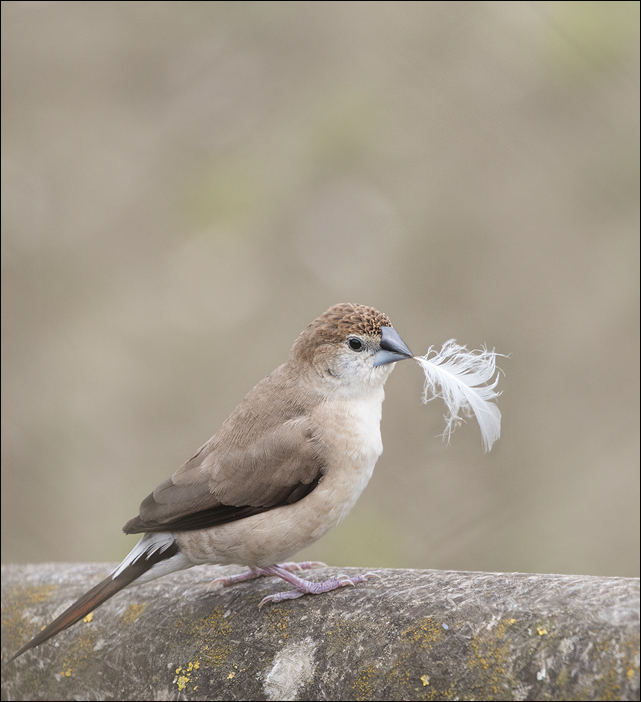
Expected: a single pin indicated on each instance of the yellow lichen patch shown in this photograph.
(215, 655)
(279, 620)
(502, 627)
(401, 673)
(132, 613)
(403, 677)
(184, 675)
(77, 653)
(233, 673)
(491, 656)
(426, 632)
(365, 685)
(19, 628)
(541, 630)
(88, 618)
(563, 678)
(608, 685)
(211, 631)
(612, 689)
(181, 681)
(626, 653)
(39, 594)
(343, 633)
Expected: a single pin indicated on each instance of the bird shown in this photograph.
(284, 468)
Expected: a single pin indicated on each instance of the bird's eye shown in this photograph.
(355, 344)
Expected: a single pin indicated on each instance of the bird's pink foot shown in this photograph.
(306, 587)
(255, 572)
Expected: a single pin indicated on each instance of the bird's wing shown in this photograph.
(265, 455)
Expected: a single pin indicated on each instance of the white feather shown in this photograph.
(465, 381)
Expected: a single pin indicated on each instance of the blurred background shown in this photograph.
(185, 186)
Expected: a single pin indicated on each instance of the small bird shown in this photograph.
(286, 466)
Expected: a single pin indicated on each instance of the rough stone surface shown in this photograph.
(406, 635)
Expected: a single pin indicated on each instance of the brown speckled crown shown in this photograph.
(337, 323)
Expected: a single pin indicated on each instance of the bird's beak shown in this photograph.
(393, 348)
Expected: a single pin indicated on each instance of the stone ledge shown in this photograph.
(405, 635)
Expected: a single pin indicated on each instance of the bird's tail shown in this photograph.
(151, 550)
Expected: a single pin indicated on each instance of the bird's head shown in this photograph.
(351, 345)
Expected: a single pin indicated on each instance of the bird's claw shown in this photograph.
(308, 588)
(344, 581)
(280, 596)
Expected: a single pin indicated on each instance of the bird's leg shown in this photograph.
(305, 587)
(255, 572)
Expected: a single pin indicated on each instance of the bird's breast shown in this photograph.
(351, 431)
(352, 437)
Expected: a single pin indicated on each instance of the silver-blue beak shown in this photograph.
(393, 348)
